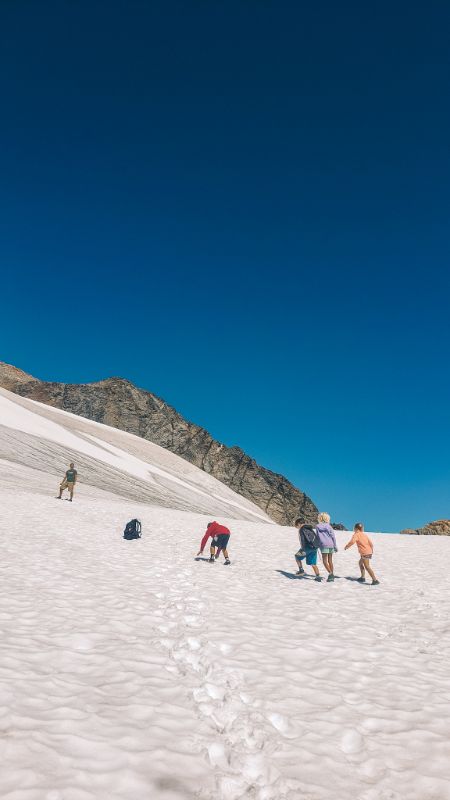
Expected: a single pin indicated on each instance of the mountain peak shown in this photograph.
(120, 404)
(10, 376)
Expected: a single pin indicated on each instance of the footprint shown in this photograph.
(279, 722)
(351, 741)
(217, 755)
(214, 691)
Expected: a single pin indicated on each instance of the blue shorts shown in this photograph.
(221, 540)
(310, 555)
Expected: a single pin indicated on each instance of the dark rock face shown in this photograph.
(439, 528)
(120, 404)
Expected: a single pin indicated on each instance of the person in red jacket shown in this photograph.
(219, 538)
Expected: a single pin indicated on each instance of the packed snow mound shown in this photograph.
(45, 440)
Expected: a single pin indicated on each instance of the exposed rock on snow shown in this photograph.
(439, 528)
(120, 404)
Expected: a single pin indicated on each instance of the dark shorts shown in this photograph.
(221, 540)
(310, 555)
(364, 557)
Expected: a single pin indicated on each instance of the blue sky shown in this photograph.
(244, 208)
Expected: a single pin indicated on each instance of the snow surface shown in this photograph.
(131, 671)
(46, 439)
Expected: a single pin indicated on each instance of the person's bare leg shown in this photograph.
(362, 568)
(325, 562)
(330, 562)
(299, 563)
(225, 553)
(316, 570)
(370, 570)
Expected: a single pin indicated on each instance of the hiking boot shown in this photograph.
(361, 580)
(211, 559)
(318, 578)
(227, 561)
(375, 582)
(330, 578)
(300, 572)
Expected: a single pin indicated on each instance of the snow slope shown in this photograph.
(131, 671)
(46, 439)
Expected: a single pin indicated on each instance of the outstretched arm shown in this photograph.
(349, 544)
(203, 543)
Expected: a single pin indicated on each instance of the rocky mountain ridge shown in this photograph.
(440, 527)
(119, 403)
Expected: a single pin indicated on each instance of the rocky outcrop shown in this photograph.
(120, 404)
(439, 528)
(11, 377)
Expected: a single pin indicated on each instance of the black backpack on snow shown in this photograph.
(132, 529)
(310, 537)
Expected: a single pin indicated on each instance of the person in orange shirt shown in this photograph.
(365, 547)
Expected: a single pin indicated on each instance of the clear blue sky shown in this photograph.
(243, 207)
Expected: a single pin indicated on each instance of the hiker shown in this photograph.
(68, 482)
(365, 548)
(327, 538)
(309, 542)
(219, 539)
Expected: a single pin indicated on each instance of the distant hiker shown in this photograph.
(219, 539)
(68, 482)
(365, 547)
(309, 542)
(327, 538)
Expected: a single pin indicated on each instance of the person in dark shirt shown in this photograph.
(308, 548)
(68, 482)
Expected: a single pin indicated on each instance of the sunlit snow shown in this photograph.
(130, 671)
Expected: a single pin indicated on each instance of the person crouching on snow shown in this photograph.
(219, 539)
(308, 548)
(327, 545)
(365, 548)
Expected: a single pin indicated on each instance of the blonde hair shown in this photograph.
(324, 517)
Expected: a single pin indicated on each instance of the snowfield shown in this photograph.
(131, 671)
(46, 439)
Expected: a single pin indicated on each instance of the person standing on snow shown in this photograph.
(309, 542)
(365, 547)
(219, 538)
(327, 545)
(68, 482)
